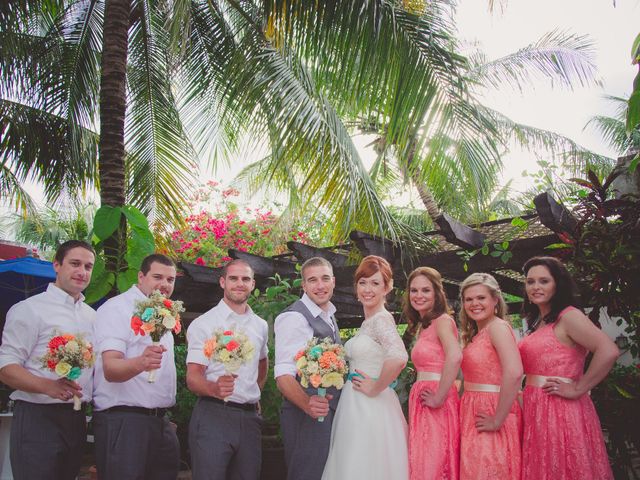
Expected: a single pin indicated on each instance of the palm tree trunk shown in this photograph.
(414, 174)
(111, 168)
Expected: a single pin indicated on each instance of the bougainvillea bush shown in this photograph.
(222, 223)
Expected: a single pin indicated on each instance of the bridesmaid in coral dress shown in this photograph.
(490, 416)
(562, 435)
(434, 425)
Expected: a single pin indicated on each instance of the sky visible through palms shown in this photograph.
(518, 23)
(612, 29)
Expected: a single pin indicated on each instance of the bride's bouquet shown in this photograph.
(67, 355)
(155, 316)
(321, 364)
(231, 347)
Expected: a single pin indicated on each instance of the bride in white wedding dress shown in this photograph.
(369, 436)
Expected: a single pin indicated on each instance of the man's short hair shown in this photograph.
(235, 261)
(63, 249)
(316, 262)
(155, 257)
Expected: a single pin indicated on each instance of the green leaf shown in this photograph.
(633, 111)
(506, 256)
(106, 221)
(125, 280)
(519, 222)
(635, 50)
(141, 242)
(557, 246)
(505, 245)
(100, 287)
(485, 249)
(496, 253)
(623, 392)
(634, 164)
(135, 217)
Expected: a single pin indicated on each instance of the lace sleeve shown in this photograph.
(384, 331)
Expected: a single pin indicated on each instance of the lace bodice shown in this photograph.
(480, 361)
(543, 354)
(376, 341)
(427, 354)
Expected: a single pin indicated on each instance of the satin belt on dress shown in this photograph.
(540, 380)
(481, 387)
(428, 376)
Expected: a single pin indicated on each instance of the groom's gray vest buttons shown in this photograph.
(320, 330)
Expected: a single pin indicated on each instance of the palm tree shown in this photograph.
(294, 73)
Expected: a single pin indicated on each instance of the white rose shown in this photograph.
(169, 322)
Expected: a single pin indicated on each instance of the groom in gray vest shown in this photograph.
(306, 440)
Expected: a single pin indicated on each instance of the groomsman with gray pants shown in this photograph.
(225, 427)
(306, 440)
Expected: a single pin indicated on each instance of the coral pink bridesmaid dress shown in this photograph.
(434, 433)
(562, 437)
(487, 455)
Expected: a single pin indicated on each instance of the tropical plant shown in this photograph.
(127, 259)
(51, 226)
(604, 252)
(617, 400)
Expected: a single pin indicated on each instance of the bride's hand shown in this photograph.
(365, 384)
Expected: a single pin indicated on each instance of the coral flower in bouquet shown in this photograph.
(67, 355)
(155, 316)
(321, 364)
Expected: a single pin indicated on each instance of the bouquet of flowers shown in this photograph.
(230, 347)
(67, 355)
(321, 364)
(155, 316)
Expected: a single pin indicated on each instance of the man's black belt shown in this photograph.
(249, 407)
(150, 412)
(57, 405)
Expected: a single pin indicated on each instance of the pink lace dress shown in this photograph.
(434, 433)
(487, 455)
(562, 437)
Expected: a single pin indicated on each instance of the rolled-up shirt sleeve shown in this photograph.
(111, 331)
(196, 336)
(20, 335)
(292, 332)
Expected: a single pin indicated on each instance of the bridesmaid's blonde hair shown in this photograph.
(468, 327)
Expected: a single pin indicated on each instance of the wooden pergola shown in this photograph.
(449, 253)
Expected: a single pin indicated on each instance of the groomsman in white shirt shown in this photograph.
(225, 427)
(306, 440)
(134, 439)
(47, 435)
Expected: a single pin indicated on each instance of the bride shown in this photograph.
(369, 436)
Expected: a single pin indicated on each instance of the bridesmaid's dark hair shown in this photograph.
(440, 305)
(564, 296)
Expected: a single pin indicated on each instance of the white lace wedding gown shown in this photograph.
(369, 435)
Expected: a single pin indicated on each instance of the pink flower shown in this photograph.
(200, 261)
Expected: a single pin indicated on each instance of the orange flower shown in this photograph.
(178, 327)
(209, 347)
(315, 380)
(298, 355)
(68, 337)
(148, 327)
(327, 359)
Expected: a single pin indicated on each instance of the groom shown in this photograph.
(306, 440)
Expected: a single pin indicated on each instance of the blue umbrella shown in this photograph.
(23, 277)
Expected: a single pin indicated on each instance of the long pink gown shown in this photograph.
(562, 437)
(487, 455)
(434, 433)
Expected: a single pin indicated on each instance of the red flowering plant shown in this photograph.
(209, 235)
